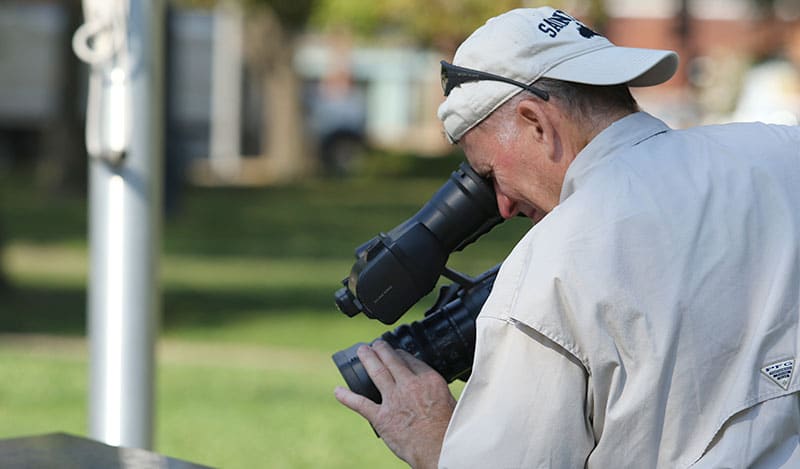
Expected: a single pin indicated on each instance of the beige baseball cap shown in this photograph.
(526, 44)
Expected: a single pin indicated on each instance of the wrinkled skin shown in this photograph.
(416, 408)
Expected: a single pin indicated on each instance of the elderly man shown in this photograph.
(650, 317)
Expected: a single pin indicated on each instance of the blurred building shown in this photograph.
(32, 65)
(719, 41)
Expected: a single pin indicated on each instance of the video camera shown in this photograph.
(394, 270)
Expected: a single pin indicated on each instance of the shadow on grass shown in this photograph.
(63, 310)
(43, 310)
(186, 308)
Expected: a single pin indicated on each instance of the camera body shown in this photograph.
(394, 270)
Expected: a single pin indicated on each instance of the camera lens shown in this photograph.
(354, 373)
(444, 339)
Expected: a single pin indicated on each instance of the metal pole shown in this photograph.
(125, 139)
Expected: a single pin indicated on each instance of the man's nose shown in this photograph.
(507, 207)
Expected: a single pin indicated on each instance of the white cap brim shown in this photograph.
(617, 65)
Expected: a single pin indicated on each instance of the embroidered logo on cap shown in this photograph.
(586, 32)
(780, 372)
(559, 20)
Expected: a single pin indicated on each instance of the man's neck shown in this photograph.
(591, 129)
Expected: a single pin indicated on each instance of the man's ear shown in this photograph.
(538, 126)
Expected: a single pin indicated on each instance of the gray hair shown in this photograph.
(582, 103)
(590, 101)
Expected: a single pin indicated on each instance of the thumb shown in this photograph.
(356, 402)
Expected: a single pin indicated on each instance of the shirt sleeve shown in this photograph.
(525, 405)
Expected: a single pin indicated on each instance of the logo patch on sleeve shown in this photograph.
(780, 372)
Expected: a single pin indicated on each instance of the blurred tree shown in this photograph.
(441, 24)
(271, 31)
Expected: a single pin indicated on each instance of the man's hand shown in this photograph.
(416, 403)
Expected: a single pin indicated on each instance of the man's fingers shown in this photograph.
(375, 367)
(356, 402)
(416, 365)
(389, 356)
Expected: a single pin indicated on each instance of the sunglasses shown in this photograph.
(454, 76)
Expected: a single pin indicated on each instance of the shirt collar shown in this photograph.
(624, 133)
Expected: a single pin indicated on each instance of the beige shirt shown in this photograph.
(651, 319)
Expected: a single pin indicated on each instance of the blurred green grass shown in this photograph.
(248, 319)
